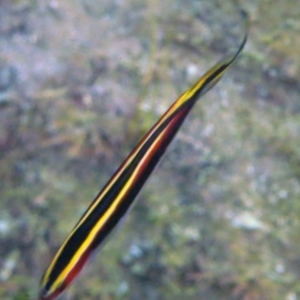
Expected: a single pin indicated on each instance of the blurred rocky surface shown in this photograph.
(80, 83)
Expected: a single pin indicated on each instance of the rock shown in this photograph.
(8, 76)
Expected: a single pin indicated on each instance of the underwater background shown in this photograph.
(82, 81)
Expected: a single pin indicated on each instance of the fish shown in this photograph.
(117, 197)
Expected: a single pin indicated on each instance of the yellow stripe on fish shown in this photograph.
(118, 195)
